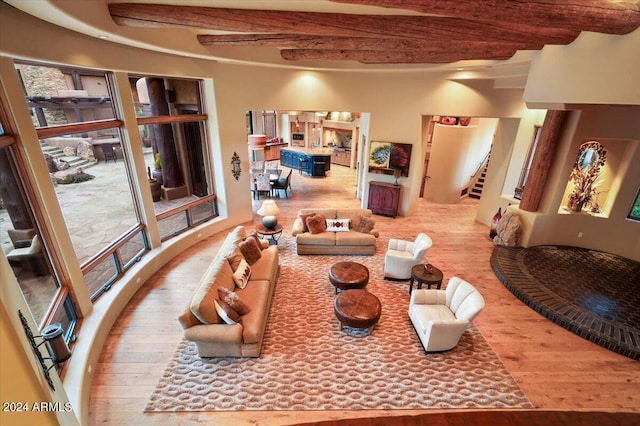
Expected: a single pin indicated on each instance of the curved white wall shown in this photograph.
(449, 162)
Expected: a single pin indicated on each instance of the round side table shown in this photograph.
(420, 274)
(273, 234)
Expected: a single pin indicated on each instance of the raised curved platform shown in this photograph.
(593, 294)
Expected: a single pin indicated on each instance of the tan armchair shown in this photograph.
(402, 255)
(29, 256)
(441, 316)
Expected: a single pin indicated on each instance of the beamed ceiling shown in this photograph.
(344, 34)
(443, 31)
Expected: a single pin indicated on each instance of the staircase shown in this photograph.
(57, 153)
(479, 177)
(476, 190)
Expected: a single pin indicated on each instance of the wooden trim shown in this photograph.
(166, 119)
(54, 309)
(85, 126)
(7, 140)
(110, 249)
(184, 207)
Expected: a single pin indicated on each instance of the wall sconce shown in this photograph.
(235, 162)
(53, 337)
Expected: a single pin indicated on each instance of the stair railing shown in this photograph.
(482, 163)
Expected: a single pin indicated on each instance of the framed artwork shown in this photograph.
(634, 214)
(389, 158)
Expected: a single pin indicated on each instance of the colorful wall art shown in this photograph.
(387, 157)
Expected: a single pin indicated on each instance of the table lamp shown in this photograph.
(269, 210)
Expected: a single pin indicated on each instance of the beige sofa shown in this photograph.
(202, 324)
(350, 242)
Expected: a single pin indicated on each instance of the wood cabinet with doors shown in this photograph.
(384, 198)
(341, 157)
(271, 152)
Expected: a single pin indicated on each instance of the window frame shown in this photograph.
(92, 126)
(63, 296)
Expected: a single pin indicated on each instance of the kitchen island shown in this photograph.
(312, 161)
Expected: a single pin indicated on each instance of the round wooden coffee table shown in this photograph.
(348, 275)
(420, 274)
(357, 308)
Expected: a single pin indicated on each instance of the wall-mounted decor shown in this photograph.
(386, 157)
(235, 163)
(449, 121)
(591, 158)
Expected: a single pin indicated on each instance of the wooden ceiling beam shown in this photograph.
(333, 24)
(602, 16)
(394, 57)
(294, 41)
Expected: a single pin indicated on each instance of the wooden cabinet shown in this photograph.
(271, 152)
(384, 198)
(341, 157)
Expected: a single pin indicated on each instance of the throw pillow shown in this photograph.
(250, 250)
(235, 258)
(255, 235)
(337, 225)
(233, 300)
(304, 217)
(362, 224)
(317, 224)
(242, 274)
(225, 312)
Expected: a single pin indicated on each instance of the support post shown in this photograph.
(547, 146)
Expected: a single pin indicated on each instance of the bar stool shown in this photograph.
(302, 166)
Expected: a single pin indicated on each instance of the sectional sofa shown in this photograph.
(205, 325)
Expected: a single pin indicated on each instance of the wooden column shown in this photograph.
(165, 142)
(549, 139)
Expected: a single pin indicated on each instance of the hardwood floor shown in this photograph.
(557, 370)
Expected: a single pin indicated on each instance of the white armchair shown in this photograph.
(402, 255)
(441, 316)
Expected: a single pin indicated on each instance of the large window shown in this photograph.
(172, 127)
(25, 241)
(80, 139)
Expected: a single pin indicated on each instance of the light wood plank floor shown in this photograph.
(556, 369)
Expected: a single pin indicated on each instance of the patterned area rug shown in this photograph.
(593, 294)
(309, 363)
